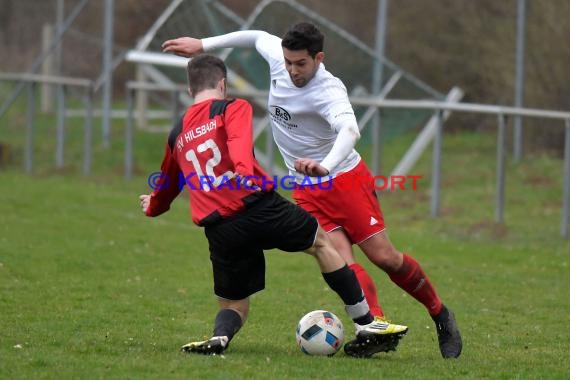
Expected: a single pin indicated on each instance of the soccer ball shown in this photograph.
(320, 332)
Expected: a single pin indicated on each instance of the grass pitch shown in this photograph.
(90, 288)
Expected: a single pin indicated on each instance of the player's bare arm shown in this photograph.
(310, 167)
(183, 46)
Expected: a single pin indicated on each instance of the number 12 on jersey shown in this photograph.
(210, 179)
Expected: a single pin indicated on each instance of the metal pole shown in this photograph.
(59, 18)
(59, 89)
(47, 90)
(141, 99)
(30, 128)
(107, 69)
(566, 194)
(60, 141)
(210, 18)
(436, 166)
(88, 131)
(519, 80)
(129, 135)
(377, 77)
(175, 107)
(501, 163)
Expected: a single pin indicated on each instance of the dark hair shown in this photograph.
(304, 36)
(204, 72)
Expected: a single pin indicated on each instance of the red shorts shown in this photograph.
(348, 201)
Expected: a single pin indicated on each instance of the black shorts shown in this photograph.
(237, 243)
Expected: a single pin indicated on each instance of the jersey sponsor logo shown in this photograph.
(373, 221)
(281, 113)
(281, 116)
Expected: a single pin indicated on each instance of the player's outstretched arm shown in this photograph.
(189, 47)
(346, 140)
(183, 46)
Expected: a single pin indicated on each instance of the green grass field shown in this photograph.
(90, 288)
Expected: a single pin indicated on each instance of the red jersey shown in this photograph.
(210, 146)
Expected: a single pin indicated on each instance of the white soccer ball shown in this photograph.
(320, 332)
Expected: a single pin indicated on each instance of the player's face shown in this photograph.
(301, 66)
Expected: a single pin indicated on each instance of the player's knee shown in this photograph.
(381, 252)
(388, 259)
(321, 245)
(239, 306)
(322, 241)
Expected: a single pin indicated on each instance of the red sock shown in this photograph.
(369, 289)
(414, 281)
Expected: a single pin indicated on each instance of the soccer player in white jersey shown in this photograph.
(315, 129)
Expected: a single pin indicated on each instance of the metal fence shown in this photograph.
(502, 113)
(31, 81)
(439, 108)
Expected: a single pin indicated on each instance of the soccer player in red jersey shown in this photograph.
(315, 129)
(242, 216)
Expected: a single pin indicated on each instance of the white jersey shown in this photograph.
(305, 121)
